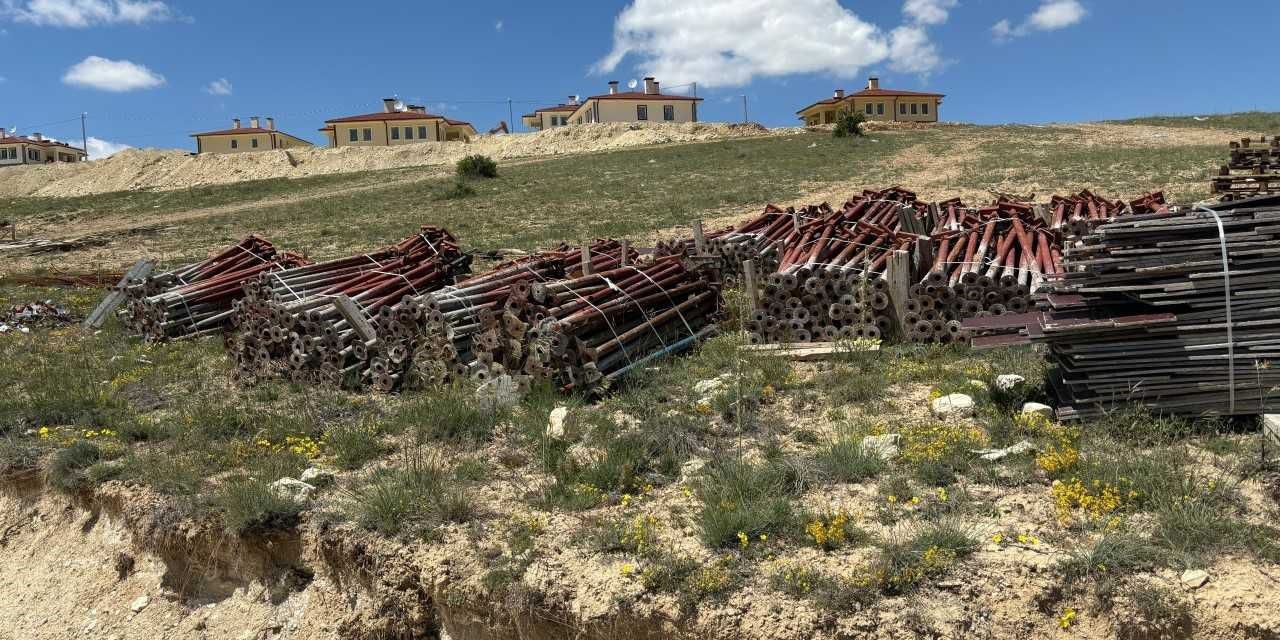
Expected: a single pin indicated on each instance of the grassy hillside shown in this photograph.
(1260, 122)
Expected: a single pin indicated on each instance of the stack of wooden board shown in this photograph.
(1140, 315)
(1252, 169)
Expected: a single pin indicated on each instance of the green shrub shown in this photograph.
(457, 190)
(849, 124)
(67, 469)
(16, 456)
(844, 460)
(249, 505)
(352, 445)
(450, 414)
(741, 498)
(929, 551)
(477, 166)
(1117, 554)
(414, 498)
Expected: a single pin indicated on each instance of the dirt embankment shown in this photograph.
(173, 169)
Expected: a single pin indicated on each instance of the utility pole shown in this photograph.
(744, 108)
(695, 89)
(511, 123)
(84, 136)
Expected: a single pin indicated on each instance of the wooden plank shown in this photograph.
(355, 317)
(808, 351)
(140, 270)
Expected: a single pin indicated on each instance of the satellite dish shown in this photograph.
(632, 83)
(398, 106)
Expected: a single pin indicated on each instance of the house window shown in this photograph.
(902, 109)
(253, 142)
(33, 154)
(422, 133)
(668, 112)
(368, 135)
(395, 133)
(642, 112)
(408, 133)
(879, 108)
(914, 107)
(355, 135)
(868, 108)
(6, 154)
(235, 144)
(924, 108)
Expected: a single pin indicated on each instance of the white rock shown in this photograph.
(1037, 408)
(690, 469)
(139, 604)
(1000, 454)
(980, 385)
(1195, 578)
(499, 392)
(1009, 381)
(884, 446)
(555, 423)
(708, 387)
(293, 489)
(955, 405)
(316, 477)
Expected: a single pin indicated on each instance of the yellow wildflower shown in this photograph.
(1067, 619)
(743, 539)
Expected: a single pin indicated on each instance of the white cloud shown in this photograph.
(911, 52)
(99, 149)
(1051, 15)
(111, 75)
(497, 26)
(86, 13)
(931, 12)
(730, 42)
(219, 87)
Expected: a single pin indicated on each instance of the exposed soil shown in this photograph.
(162, 170)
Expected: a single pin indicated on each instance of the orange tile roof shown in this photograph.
(228, 132)
(640, 95)
(382, 116)
(41, 143)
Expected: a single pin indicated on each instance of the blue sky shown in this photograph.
(149, 72)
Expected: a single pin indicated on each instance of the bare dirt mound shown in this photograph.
(164, 170)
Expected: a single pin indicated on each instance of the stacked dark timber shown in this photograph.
(198, 298)
(986, 261)
(1139, 316)
(1252, 169)
(445, 322)
(338, 318)
(831, 282)
(585, 333)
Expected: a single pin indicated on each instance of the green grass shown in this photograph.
(741, 498)
(1260, 122)
(411, 499)
(249, 506)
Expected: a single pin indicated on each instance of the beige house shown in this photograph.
(875, 103)
(239, 139)
(15, 150)
(548, 117)
(651, 105)
(393, 126)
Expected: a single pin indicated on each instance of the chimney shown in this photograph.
(253, 122)
(417, 108)
(37, 137)
(613, 87)
(388, 104)
(573, 100)
(271, 124)
(839, 95)
(235, 123)
(4, 133)
(650, 86)
(873, 82)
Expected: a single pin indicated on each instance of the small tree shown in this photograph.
(848, 124)
(477, 166)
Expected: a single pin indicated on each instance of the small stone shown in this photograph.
(1009, 381)
(1000, 454)
(955, 405)
(499, 392)
(690, 469)
(1195, 578)
(1039, 409)
(708, 387)
(140, 603)
(293, 489)
(555, 424)
(884, 446)
(979, 385)
(316, 477)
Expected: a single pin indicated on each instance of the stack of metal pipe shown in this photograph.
(585, 333)
(830, 281)
(325, 318)
(984, 261)
(443, 323)
(198, 298)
